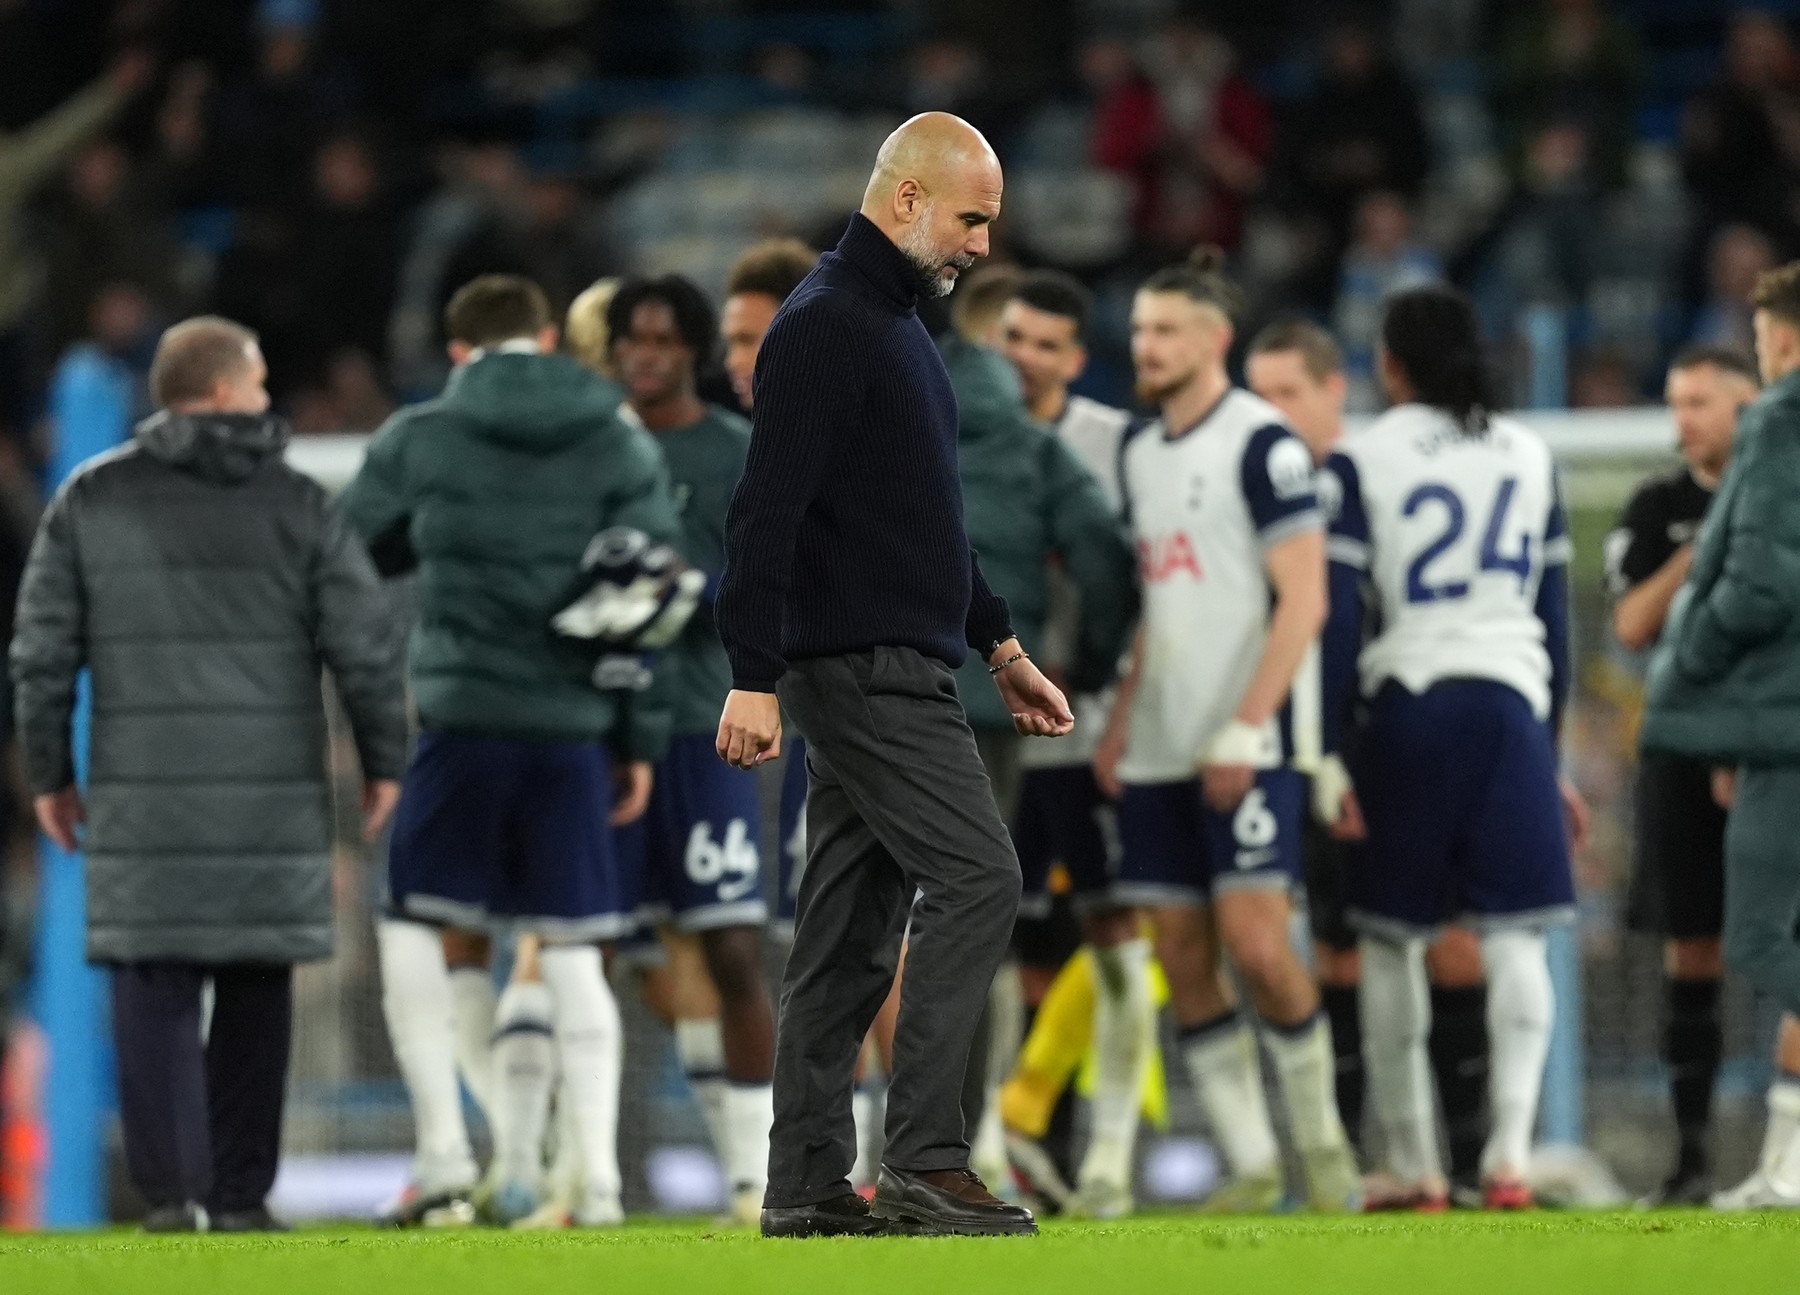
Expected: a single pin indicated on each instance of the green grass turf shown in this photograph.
(1612, 1254)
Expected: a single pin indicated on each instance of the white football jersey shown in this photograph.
(1459, 530)
(1094, 432)
(1203, 508)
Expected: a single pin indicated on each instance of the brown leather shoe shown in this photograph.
(947, 1201)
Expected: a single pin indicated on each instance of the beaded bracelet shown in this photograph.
(1016, 656)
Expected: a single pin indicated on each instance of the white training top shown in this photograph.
(1093, 431)
(1457, 531)
(1203, 507)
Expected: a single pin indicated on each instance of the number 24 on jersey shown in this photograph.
(1425, 586)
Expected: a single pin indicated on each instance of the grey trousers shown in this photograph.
(1762, 881)
(897, 804)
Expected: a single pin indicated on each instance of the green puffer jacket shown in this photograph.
(1028, 499)
(492, 493)
(1726, 684)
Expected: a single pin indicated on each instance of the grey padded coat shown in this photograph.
(206, 585)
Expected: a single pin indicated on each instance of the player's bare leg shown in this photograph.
(1253, 926)
(1219, 1047)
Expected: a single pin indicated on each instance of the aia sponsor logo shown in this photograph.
(1163, 557)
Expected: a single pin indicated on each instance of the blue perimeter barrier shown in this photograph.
(91, 404)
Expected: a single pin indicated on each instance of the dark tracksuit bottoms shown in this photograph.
(1762, 881)
(898, 804)
(201, 1101)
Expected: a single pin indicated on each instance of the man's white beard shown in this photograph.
(915, 245)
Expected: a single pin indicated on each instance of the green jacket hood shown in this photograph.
(530, 401)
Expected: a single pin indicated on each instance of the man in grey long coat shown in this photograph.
(205, 585)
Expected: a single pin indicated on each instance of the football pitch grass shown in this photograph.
(1520, 1254)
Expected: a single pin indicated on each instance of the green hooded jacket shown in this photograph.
(492, 493)
(1725, 685)
(1028, 499)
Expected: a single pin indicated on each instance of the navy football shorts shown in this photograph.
(696, 850)
(1178, 850)
(1458, 786)
(509, 832)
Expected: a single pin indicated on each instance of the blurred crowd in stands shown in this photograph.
(1606, 178)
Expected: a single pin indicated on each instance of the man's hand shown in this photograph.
(1334, 800)
(750, 729)
(631, 791)
(1226, 785)
(1349, 825)
(59, 813)
(1724, 788)
(379, 796)
(1038, 707)
(1575, 811)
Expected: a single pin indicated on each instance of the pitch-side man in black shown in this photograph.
(850, 587)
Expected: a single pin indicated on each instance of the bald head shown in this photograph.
(934, 192)
(209, 365)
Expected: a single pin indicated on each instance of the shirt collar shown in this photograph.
(516, 346)
(881, 262)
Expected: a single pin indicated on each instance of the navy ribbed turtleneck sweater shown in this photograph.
(846, 531)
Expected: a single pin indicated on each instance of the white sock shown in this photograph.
(1394, 999)
(700, 1045)
(1228, 1082)
(590, 1047)
(475, 1004)
(1780, 1160)
(415, 998)
(563, 1182)
(524, 1073)
(1006, 1027)
(749, 1111)
(987, 1149)
(1006, 1019)
(1306, 1069)
(1124, 1033)
(866, 1111)
(1520, 1010)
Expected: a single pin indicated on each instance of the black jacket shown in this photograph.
(206, 585)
